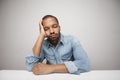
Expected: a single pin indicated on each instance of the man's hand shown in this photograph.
(41, 68)
(42, 29)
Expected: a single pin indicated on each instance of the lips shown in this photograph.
(52, 35)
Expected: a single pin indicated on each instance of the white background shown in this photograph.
(95, 22)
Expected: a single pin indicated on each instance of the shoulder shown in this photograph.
(71, 38)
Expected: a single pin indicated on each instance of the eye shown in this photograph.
(55, 26)
(46, 28)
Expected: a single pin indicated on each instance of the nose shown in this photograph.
(51, 30)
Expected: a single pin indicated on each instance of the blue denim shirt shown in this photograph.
(68, 51)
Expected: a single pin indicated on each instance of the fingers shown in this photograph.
(39, 63)
(42, 31)
(40, 25)
(35, 69)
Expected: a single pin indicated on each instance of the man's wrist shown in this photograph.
(42, 34)
(53, 68)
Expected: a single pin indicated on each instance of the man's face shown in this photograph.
(52, 28)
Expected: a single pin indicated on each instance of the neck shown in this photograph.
(55, 42)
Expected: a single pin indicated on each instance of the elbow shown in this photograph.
(86, 68)
(83, 70)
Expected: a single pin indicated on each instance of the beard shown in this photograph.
(53, 37)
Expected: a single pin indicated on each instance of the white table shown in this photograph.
(92, 75)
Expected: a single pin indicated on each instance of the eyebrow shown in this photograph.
(55, 24)
(52, 25)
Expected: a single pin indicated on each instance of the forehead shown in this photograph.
(49, 21)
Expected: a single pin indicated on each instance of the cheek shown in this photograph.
(47, 33)
(57, 30)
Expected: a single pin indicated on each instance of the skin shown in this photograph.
(52, 30)
(49, 28)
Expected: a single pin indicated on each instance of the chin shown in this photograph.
(53, 39)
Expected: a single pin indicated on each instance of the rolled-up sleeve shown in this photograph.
(31, 60)
(81, 62)
(71, 66)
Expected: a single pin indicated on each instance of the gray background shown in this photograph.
(95, 22)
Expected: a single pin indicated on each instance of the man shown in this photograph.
(64, 54)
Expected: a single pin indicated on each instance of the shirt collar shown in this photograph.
(48, 44)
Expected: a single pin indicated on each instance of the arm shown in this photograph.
(81, 62)
(37, 47)
(41, 68)
(36, 54)
(61, 68)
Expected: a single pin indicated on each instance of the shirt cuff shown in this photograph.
(32, 59)
(71, 66)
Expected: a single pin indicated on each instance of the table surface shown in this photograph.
(92, 75)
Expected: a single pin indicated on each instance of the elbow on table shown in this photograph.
(83, 69)
(86, 69)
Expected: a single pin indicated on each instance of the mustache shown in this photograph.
(52, 33)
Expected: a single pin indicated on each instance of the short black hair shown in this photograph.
(47, 16)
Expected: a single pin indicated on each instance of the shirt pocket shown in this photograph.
(50, 58)
(66, 57)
